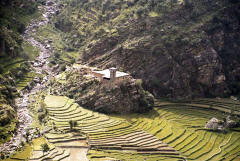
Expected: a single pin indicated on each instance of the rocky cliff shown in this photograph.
(179, 49)
(126, 97)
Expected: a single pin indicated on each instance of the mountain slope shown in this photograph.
(14, 56)
(180, 49)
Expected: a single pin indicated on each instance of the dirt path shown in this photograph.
(40, 65)
(77, 154)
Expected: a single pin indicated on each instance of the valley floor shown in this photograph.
(169, 132)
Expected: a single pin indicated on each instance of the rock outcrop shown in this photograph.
(125, 97)
(219, 125)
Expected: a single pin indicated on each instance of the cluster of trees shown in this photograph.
(42, 112)
(72, 124)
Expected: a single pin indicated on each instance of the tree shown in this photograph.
(45, 147)
(72, 124)
(27, 135)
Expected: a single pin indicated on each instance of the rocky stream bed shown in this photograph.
(40, 64)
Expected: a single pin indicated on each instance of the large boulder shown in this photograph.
(230, 123)
(215, 125)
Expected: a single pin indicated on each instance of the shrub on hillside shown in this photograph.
(139, 83)
(45, 148)
(41, 116)
(56, 55)
(140, 12)
(72, 60)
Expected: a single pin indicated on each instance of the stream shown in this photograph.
(40, 64)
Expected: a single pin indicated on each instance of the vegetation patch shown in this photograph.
(7, 122)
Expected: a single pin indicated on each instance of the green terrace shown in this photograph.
(169, 132)
(182, 127)
(104, 132)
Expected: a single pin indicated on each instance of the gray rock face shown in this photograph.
(182, 74)
(217, 125)
(230, 123)
(212, 124)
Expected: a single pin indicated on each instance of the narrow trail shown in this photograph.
(40, 64)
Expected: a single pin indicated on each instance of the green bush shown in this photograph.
(139, 83)
(21, 28)
(56, 55)
(45, 147)
(143, 102)
(41, 116)
(4, 121)
(72, 61)
(2, 156)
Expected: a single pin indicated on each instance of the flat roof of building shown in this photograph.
(106, 73)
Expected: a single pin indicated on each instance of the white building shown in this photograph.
(110, 76)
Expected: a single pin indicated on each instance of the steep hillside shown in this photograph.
(15, 70)
(14, 52)
(180, 49)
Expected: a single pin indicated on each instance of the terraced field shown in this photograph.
(107, 136)
(222, 104)
(14, 66)
(172, 132)
(54, 153)
(33, 152)
(181, 127)
(23, 82)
